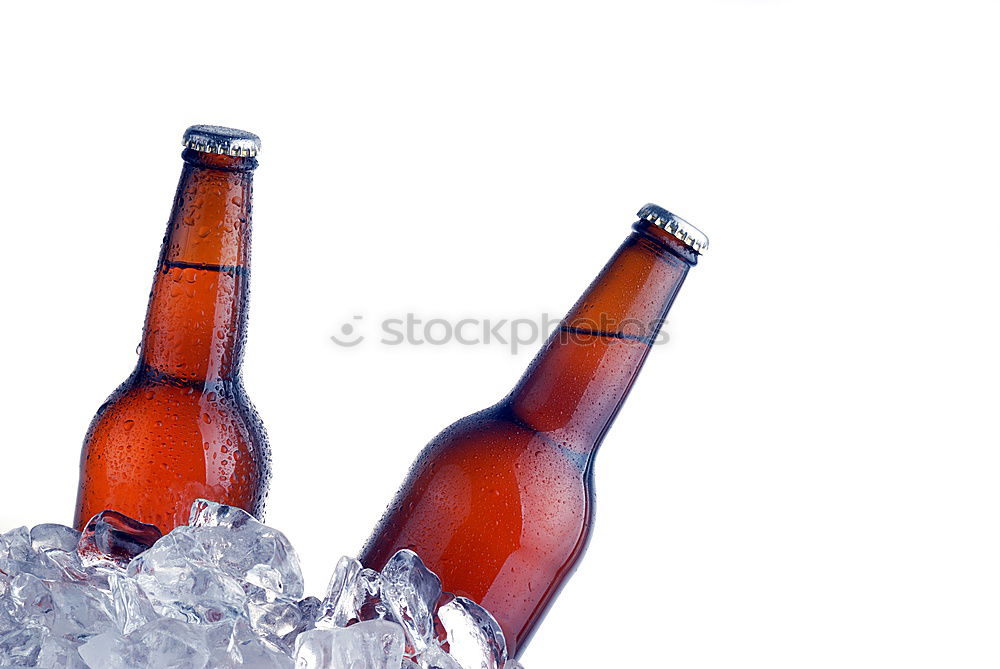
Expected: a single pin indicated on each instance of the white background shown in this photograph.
(805, 476)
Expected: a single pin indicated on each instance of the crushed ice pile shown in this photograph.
(224, 592)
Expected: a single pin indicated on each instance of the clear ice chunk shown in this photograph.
(112, 537)
(181, 581)
(20, 647)
(80, 611)
(170, 643)
(475, 639)
(369, 585)
(164, 642)
(373, 644)
(354, 598)
(411, 591)
(343, 599)
(310, 607)
(31, 598)
(435, 658)
(314, 649)
(235, 646)
(109, 651)
(55, 546)
(281, 621)
(132, 609)
(64, 609)
(15, 549)
(247, 549)
(206, 513)
(53, 537)
(160, 644)
(17, 556)
(59, 653)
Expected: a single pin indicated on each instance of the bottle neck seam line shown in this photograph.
(227, 269)
(612, 335)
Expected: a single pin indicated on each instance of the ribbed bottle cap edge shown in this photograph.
(676, 226)
(221, 140)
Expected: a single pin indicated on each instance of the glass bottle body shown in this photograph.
(500, 505)
(181, 426)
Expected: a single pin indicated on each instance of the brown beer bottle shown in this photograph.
(500, 504)
(181, 426)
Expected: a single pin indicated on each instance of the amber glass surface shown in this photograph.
(181, 426)
(500, 504)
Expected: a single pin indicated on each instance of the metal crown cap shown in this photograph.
(675, 225)
(221, 140)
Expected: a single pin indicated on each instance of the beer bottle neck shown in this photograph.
(196, 320)
(575, 386)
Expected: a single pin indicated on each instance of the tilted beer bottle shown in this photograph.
(181, 426)
(500, 504)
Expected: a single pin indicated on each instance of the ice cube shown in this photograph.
(65, 608)
(310, 608)
(314, 649)
(233, 645)
(280, 621)
(20, 647)
(166, 642)
(95, 576)
(53, 537)
(17, 556)
(435, 658)
(8, 622)
(513, 664)
(411, 591)
(112, 537)
(132, 609)
(206, 513)
(373, 644)
(181, 581)
(15, 547)
(247, 549)
(354, 595)
(109, 651)
(369, 585)
(160, 644)
(474, 636)
(55, 550)
(343, 600)
(59, 653)
(31, 598)
(81, 611)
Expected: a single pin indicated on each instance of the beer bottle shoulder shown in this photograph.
(497, 433)
(157, 408)
(486, 494)
(181, 441)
